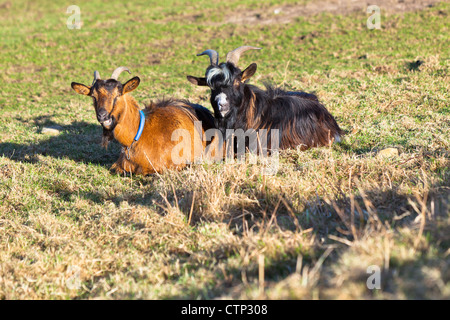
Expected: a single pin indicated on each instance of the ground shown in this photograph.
(319, 229)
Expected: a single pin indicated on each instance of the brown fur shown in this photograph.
(153, 151)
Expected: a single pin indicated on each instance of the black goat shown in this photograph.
(299, 116)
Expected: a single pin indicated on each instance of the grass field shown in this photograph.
(69, 229)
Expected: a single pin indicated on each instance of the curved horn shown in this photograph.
(233, 56)
(96, 76)
(118, 71)
(213, 56)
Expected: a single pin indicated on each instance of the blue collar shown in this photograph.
(141, 125)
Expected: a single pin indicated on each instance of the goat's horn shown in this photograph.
(233, 56)
(213, 56)
(96, 76)
(118, 71)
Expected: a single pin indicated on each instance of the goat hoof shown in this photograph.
(116, 169)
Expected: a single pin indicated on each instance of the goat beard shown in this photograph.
(107, 137)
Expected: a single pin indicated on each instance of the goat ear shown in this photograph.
(131, 84)
(249, 72)
(197, 81)
(80, 88)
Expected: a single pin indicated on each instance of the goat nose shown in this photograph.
(222, 101)
(223, 104)
(224, 108)
(102, 114)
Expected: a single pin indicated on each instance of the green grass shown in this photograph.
(326, 216)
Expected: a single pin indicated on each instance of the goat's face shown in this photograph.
(226, 82)
(107, 95)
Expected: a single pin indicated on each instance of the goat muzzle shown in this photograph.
(107, 123)
(105, 119)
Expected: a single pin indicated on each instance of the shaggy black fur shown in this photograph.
(299, 116)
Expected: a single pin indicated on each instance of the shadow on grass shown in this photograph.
(317, 215)
(274, 208)
(414, 65)
(415, 280)
(79, 141)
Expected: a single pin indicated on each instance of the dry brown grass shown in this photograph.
(318, 231)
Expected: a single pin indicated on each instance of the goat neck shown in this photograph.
(128, 119)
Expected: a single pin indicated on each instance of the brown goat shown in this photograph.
(169, 139)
